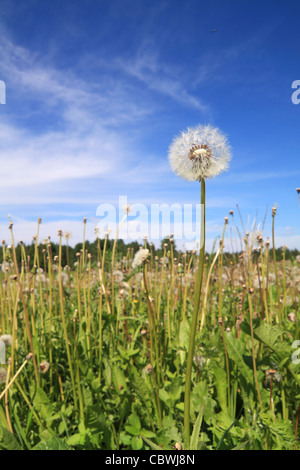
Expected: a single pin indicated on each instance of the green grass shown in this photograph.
(118, 350)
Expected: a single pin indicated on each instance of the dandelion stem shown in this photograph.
(187, 395)
(16, 375)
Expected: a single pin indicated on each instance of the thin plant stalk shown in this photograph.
(206, 289)
(28, 357)
(65, 331)
(194, 322)
(28, 330)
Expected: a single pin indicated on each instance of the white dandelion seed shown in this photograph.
(127, 208)
(7, 339)
(140, 257)
(118, 276)
(200, 152)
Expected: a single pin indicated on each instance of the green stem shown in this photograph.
(187, 395)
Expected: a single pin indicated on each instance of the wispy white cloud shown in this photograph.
(77, 131)
(161, 77)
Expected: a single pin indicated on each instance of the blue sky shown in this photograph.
(97, 90)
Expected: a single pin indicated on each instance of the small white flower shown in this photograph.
(140, 257)
(200, 152)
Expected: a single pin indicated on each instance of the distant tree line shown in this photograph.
(70, 253)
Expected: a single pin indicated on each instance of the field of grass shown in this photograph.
(97, 351)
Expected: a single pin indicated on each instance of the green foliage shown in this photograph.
(128, 357)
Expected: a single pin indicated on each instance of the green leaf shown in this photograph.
(77, 439)
(137, 443)
(8, 440)
(3, 421)
(43, 406)
(118, 378)
(224, 425)
(150, 443)
(139, 385)
(268, 334)
(133, 425)
(53, 443)
(196, 431)
(236, 351)
(221, 386)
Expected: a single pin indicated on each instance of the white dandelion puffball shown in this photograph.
(200, 152)
(140, 257)
(7, 339)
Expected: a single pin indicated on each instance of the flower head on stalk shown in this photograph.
(140, 257)
(200, 152)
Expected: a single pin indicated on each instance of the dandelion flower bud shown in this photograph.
(292, 317)
(200, 152)
(178, 446)
(44, 367)
(148, 369)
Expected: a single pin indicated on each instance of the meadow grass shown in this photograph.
(99, 350)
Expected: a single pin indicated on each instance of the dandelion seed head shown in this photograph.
(67, 235)
(7, 339)
(118, 276)
(140, 257)
(292, 317)
(127, 208)
(200, 152)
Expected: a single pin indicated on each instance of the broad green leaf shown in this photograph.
(221, 386)
(268, 334)
(43, 406)
(54, 443)
(196, 431)
(150, 443)
(133, 425)
(8, 440)
(236, 350)
(118, 378)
